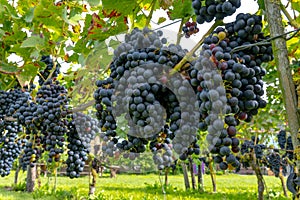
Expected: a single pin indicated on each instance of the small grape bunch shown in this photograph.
(190, 28)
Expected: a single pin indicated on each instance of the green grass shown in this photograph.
(141, 187)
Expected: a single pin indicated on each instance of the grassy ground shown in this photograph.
(141, 187)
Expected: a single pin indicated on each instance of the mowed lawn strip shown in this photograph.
(140, 187)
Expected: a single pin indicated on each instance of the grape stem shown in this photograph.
(83, 107)
(189, 56)
(10, 119)
(292, 21)
(149, 17)
(179, 34)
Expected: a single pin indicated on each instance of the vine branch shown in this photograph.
(83, 107)
(293, 22)
(149, 17)
(179, 34)
(265, 42)
(189, 55)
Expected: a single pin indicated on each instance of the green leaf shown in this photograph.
(113, 43)
(28, 72)
(93, 2)
(29, 15)
(74, 20)
(122, 6)
(33, 41)
(2, 33)
(296, 5)
(261, 4)
(181, 9)
(161, 20)
(8, 69)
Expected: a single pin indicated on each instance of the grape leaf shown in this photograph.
(33, 41)
(8, 69)
(181, 9)
(29, 15)
(93, 2)
(296, 5)
(161, 20)
(27, 73)
(261, 4)
(122, 6)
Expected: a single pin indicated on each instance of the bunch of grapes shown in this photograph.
(274, 162)
(54, 101)
(281, 136)
(290, 148)
(139, 83)
(44, 74)
(10, 145)
(77, 153)
(239, 66)
(209, 10)
(30, 116)
(190, 28)
(87, 128)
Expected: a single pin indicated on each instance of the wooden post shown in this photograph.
(200, 179)
(281, 177)
(259, 176)
(166, 176)
(93, 183)
(185, 176)
(17, 174)
(274, 18)
(30, 180)
(192, 173)
(212, 175)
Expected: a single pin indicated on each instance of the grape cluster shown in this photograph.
(44, 74)
(274, 162)
(104, 106)
(10, 145)
(54, 101)
(250, 145)
(209, 10)
(212, 100)
(139, 87)
(281, 139)
(77, 153)
(190, 28)
(290, 148)
(87, 128)
(236, 53)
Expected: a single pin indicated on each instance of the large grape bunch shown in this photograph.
(82, 129)
(237, 53)
(285, 143)
(30, 116)
(10, 144)
(44, 74)
(140, 85)
(209, 10)
(54, 101)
